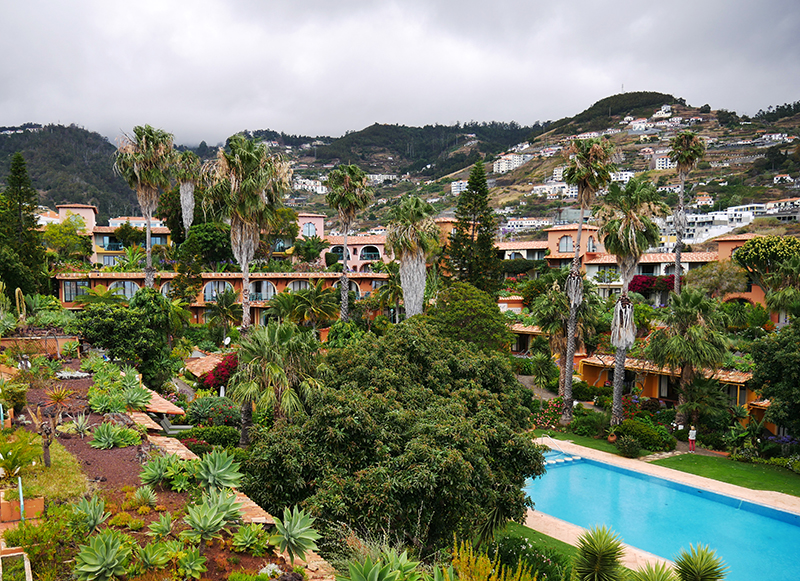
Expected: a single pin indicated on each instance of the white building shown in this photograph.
(458, 187)
(510, 161)
(702, 227)
(519, 224)
(379, 178)
(558, 173)
(307, 185)
(663, 162)
(622, 176)
(136, 222)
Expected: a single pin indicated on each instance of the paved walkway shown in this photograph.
(635, 558)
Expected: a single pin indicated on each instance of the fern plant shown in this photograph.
(218, 470)
(104, 558)
(145, 496)
(161, 528)
(295, 534)
(251, 538)
(90, 513)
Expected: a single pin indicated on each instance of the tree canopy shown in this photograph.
(413, 434)
(777, 375)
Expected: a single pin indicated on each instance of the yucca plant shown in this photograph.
(251, 538)
(651, 572)
(369, 571)
(224, 500)
(205, 522)
(599, 556)
(295, 534)
(218, 470)
(699, 564)
(145, 496)
(80, 426)
(161, 528)
(192, 564)
(104, 558)
(90, 513)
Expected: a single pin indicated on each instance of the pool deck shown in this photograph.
(635, 558)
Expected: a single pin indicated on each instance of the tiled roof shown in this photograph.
(158, 405)
(736, 237)
(357, 240)
(77, 206)
(143, 419)
(723, 375)
(510, 298)
(307, 215)
(526, 329)
(571, 227)
(524, 245)
(202, 365)
(560, 256)
(658, 258)
(111, 229)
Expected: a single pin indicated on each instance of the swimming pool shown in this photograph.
(663, 517)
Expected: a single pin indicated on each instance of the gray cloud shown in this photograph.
(209, 68)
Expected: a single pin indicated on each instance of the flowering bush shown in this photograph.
(214, 411)
(549, 414)
(511, 551)
(220, 375)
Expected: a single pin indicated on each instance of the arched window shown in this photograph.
(353, 287)
(262, 290)
(591, 245)
(370, 253)
(565, 244)
(515, 256)
(165, 288)
(128, 287)
(309, 229)
(215, 288)
(297, 285)
(338, 250)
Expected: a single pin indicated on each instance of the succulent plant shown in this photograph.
(192, 564)
(136, 397)
(80, 426)
(152, 556)
(295, 534)
(205, 523)
(104, 558)
(90, 513)
(154, 471)
(369, 571)
(224, 500)
(251, 538)
(161, 528)
(218, 470)
(145, 496)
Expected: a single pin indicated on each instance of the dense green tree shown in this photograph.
(208, 243)
(627, 230)
(315, 305)
(465, 313)
(129, 236)
(310, 248)
(763, 255)
(412, 434)
(281, 228)
(412, 237)
(589, 168)
(68, 238)
(686, 150)
(24, 261)
(777, 375)
(690, 341)
(143, 160)
(471, 254)
(225, 311)
(348, 194)
(100, 295)
(718, 279)
(248, 184)
(277, 364)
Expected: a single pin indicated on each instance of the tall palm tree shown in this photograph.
(412, 236)
(590, 169)
(390, 293)
(277, 364)
(247, 183)
(627, 231)
(687, 150)
(691, 340)
(348, 193)
(281, 306)
(144, 162)
(188, 174)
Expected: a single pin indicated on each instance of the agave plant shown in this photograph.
(205, 523)
(152, 556)
(192, 564)
(103, 437)
(90, 513)
(161, 528)
(369, 571)
(136, 398)
(599, 556)
(145, 496)
(80, 426)
(105, 403)
(251, 538)
(218, 470)
(104, 558)
(699, 564)
(224, 500)
(156, 470)
(295, 534)
(400, 562)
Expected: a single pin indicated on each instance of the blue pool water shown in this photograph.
(663, 517)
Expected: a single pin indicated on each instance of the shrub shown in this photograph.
(18, 451)
(712, 441)
(199, 447)
(647, 436)
(107, 436)
(70, 349)
(49, 543)
(220, 375)
(650, 405)
(225, 436)
(511, 551)
(156, 470)
(214, 411)
(628, 446)
(549, 414)
(681, 435)
(591, 424)
(14, 395)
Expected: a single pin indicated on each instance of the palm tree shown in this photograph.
(412, 236)
(590, 169)
(100, 295)
(687, 150)
(277, 364)
(188, 174)
(705, 398)
(691, 340)
(314, 305)
(349, 192)
(390, 293)
(143, 161)
(310, 248)
(281, 306)
(247, 182)
(225, 311)
(627, 232)
(131, 260)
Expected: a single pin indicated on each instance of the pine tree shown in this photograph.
(472, 254)
(18, 229)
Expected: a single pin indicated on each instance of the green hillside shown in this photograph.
(602, 114)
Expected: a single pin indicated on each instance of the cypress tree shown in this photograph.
(472, 254)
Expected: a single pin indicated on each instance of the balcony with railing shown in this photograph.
(370, 256)
(113, 246)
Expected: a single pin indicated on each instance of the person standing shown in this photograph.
(692, 438)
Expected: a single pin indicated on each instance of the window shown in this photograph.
(214, 288)
(110, 260)
(370, 253)
(565, 244)
(309, 229)
(262, 290)
(353, 287)
(165, 288)
(339, 250)
(297, 285)
(591, 245)
(73, 288)
(157, 240)
(128, 287)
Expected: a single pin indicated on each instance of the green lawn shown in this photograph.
(538, 539)
(754, 476)
(596, 444)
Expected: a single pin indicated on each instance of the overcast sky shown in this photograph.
(205, 69)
